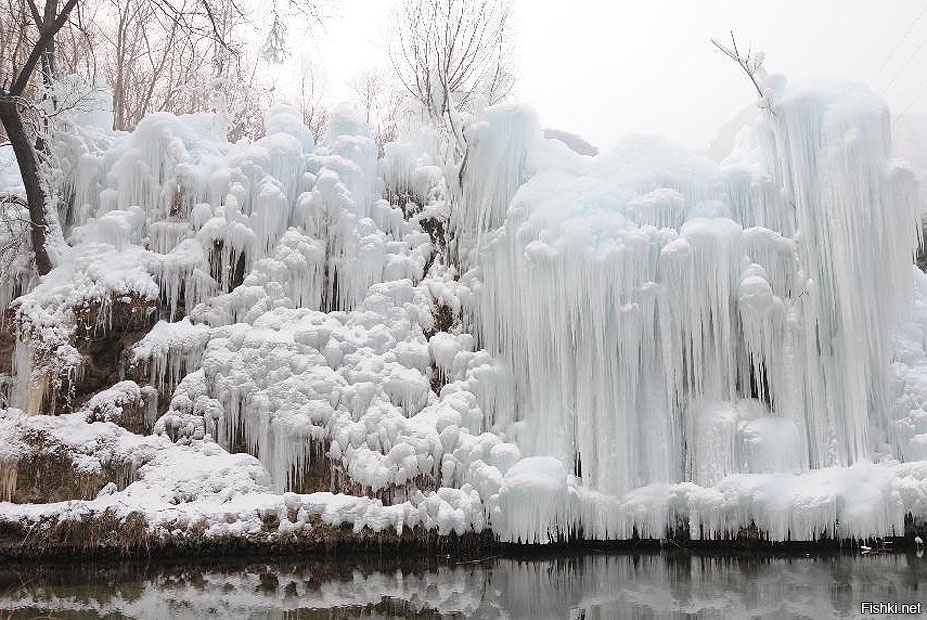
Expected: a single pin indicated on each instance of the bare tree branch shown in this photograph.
(48, 30)
(748, 63)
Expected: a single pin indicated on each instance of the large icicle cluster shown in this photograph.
(360, 381)
(668, 321)
(658, 342)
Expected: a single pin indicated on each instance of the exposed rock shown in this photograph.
(126, 405)
(48, 473)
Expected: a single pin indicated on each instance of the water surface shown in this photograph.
(589, 586)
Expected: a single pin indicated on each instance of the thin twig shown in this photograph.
(748, 63)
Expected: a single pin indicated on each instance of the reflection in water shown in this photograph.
(567, 587)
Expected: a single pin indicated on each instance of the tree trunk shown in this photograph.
(12, 122)
(29, 168)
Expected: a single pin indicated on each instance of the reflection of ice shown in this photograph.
(589, 587)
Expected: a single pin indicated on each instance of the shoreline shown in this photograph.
(106, 539)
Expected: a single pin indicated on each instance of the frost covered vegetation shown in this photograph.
(473, 331)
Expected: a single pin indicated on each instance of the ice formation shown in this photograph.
(605, 347)
(668, 321)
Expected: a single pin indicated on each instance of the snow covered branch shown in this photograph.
(751, 63)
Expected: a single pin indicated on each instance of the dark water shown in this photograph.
(591, 586)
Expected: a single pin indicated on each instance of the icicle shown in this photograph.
(171, 350)
(32, 387)
(183, 275)
(166, 235)
(494, 168)
(354, 157)
(8, 469)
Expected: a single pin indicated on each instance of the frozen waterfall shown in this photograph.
(670, 321)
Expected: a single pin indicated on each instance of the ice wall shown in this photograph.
(667, 341)
(668, 320)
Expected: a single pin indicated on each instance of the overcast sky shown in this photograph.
(603, 68)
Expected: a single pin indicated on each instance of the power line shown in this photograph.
(903, 38)
(919, 94)
(904, 66)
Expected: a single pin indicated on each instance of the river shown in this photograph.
(588, 586)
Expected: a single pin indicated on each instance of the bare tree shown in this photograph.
(12, 89)
(367, 87)
(14, 234)
(167, 54)
(156, 63)
(450, 53)
(310, 99)
(389, 113)
(187, 55)
(149, 60)
(382, 101)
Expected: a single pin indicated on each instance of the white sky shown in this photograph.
(606, 68)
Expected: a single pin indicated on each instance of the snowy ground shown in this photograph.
(630, 343)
